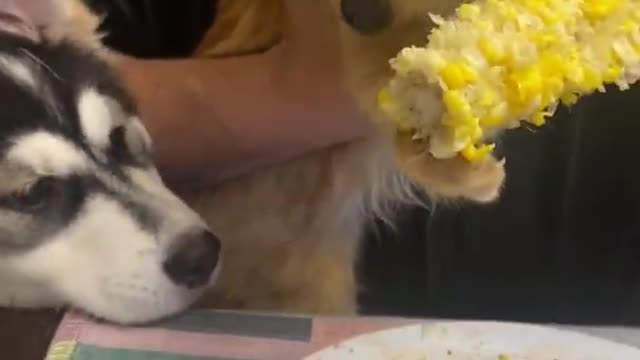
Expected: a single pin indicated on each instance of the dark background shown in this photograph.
(562, 244)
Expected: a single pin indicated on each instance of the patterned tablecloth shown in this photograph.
(212, 335)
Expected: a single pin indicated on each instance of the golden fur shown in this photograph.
(291, 232)
(242, 27)
(74, 22)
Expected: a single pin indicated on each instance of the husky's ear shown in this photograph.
(53, 20)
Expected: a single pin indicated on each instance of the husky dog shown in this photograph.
(85, 219)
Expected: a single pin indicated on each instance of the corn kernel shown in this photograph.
(457, 105)
(539, 118)
(569, 99)
(492, 54)
(468, 11)
(599, 9)
(475, 154)
(488, 98)
(457, 75)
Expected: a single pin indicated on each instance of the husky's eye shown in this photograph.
(34, 196)
(129, 145)
(119, 147)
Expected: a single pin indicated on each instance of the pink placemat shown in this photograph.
(210, 335)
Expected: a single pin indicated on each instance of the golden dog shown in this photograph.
(291, 233)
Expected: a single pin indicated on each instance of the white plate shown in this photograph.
(476, 341)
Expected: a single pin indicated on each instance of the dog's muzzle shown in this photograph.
(366, 16)
(194, 260)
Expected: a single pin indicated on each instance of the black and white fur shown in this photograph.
(85, 220)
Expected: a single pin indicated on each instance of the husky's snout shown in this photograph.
(192, 262)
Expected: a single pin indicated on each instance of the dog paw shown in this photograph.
(450, 179)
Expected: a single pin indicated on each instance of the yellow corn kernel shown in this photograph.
(592, 80)
(457, 75)
(494, 117)
(492, 54)
(457, 105)
(628, 25)
(384, 97)
(468, 133)
(569, 99)
(404, 125)
(468, 11)
(523, 86)
(598, 9)
(474, 153)
(613, 73)
(491, 120)
(488, 98)
(543, 38)
(385, 101)
(539, 118)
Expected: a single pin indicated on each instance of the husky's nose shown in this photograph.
(192, 262)
(366, 16)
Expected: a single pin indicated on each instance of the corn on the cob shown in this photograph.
(500, 62)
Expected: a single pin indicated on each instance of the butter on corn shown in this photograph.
(500, 62)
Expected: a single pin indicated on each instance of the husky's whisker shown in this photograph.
(40, 62)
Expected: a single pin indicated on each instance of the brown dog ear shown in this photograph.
(53, 20)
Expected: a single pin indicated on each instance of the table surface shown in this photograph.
(213, 335)
(624, 335)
